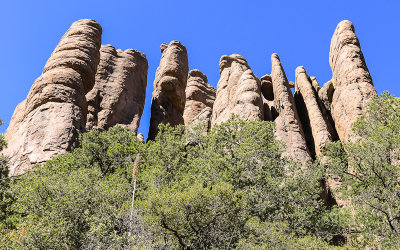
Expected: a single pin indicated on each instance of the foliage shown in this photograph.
(202, 195)
(79, 199)
(369, 168)
(229, 188)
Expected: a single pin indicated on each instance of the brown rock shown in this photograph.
(325, 94)
(288, 127)
(199, 95)
(315, 84)
(315, 121)
(267, 91)
(351, 79)
(202, 120)
(49, 121)
(119, 93)
(238, 91)
(168, 102)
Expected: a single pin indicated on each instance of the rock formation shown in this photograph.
(325, 94)
(120, 90)
(238, 91)
(168, 102)
(267, 91)
(288, 126)
(315, 121)
(350, 78)
(199, 95)
(53, 115)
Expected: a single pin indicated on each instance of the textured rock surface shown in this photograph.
(168, 102)
(315, 83)
(199, 95)
(49, 121)
(288, 126)
(238, 91)
(351, 79)
(320, 134)
(202, 120)
(325, 94)
(120, 90)
(267, 91)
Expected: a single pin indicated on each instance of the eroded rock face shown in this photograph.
(317, 124)
(238, 91)
(49, 121)
(201, 121)
(288, 126)
(325, 94)
(351, 79)
(267, 91)
(168, 102)
(119, 93)
(199, 95)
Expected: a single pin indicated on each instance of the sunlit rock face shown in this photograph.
(199, 95)
(168, 102)
(238, 91)
(118, 96)
(288, 126)
(350, 78)
(53, 115)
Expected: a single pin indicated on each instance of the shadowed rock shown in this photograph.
(168, 102)
(288, 126)
(350, 78)
(119, 93)
(320, 134)
(325, 94)
(199, 95)
(53, 115)
(315, 84)
(238, 91)
(267, 91)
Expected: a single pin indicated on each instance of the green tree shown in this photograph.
(80, 199)
(369, 168)
(202, 195)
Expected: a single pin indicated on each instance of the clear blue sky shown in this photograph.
(299, 31)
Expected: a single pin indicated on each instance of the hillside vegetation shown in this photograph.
(226, 189)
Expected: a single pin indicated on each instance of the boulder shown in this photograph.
(168, 101)
(288, 126)
(238, 91)
(351, 79)
(119, 93)
(199, 95)
(53, 115)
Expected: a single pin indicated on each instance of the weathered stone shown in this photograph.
(202, 120)
(351, 79)
(238, 91)
(320, 134)
(288, 126)
(199, 95)
(267, 91)
(325, 94)
(315, 84)
(168, 102)
(120, 90)
(49, 121)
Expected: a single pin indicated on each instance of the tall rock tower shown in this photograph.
(352, 82)
(119, 94)
(53, 115)
(238, 91)
(168, 102)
